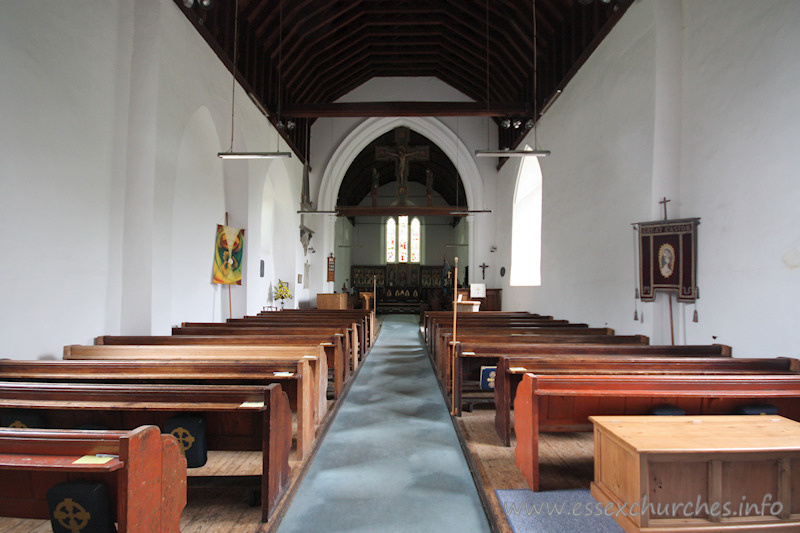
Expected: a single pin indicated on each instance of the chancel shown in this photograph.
(353, 375)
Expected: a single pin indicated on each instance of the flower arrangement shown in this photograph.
(282, 291)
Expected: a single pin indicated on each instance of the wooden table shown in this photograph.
(703, 473)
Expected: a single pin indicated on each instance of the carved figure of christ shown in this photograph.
(402, 154)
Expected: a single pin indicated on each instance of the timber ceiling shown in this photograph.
(297, 57)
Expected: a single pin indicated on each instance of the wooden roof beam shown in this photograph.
(404, 109)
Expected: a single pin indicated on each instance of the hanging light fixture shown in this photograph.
(535, 152)
(230, 154)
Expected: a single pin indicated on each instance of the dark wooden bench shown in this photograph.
(240, 418)
(367, 315)
(295, 375)
(510, 370)
(353, 346)
(470, 356)
(442, 347)
(146, 477)
(360, 324)
(564, 402)
(338, 359)
(436, 319)
(449, 366)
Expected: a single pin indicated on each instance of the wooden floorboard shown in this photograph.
(566, 461)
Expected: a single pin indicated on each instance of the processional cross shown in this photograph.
(664, 202)
(402, 154)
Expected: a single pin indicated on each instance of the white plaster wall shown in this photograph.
(261, 288)
(106, 169)
(60, 66)
(191, 76)
(596, 182)
(199, 203)
(739, 171)
(345, 241)
(724, 150)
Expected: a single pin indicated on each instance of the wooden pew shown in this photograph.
(360, 322)
(146, 479)
(352, 343)
(564, 402)
(436, 319)
(510, 370)
(368, 315)
(433, 319)
(442, 350)
(449, 365)
(242, 418)
(492, 319)
(337, 359)
(471, 355)
(294, 373)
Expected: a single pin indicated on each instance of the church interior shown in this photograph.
(397, 253)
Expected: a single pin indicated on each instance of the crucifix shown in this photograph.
(664, 202)
(402, 154)
(483, 268)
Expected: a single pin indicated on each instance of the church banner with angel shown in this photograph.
(228, 253)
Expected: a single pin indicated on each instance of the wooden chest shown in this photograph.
(698, 473)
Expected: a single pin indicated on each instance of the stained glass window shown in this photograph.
(391, 241)
(415, 240)
(399, 248)
(402, 239)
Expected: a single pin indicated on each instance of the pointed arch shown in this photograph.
(370, 129)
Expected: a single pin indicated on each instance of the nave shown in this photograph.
(382, 452)
(388, 459)
(391, 460)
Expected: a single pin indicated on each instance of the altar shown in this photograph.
(400, 288)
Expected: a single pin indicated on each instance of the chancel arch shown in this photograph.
(370, 129)
(406, 172)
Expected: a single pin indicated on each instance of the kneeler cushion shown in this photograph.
(757, 409)
(667, 410)
(22, 418)
(80, 506)
(488, 376)
(190, 430)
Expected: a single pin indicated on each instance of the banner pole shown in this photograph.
(230, 293)
(671, 325)
(453, 347)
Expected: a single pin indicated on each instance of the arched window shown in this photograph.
(402, 239)
(526, 225)
(399, 247)
(415, 240)
(391, 241)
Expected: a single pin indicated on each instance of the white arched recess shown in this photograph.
(368, 131)
(198, 205)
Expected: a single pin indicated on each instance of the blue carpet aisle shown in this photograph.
(391, 460)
